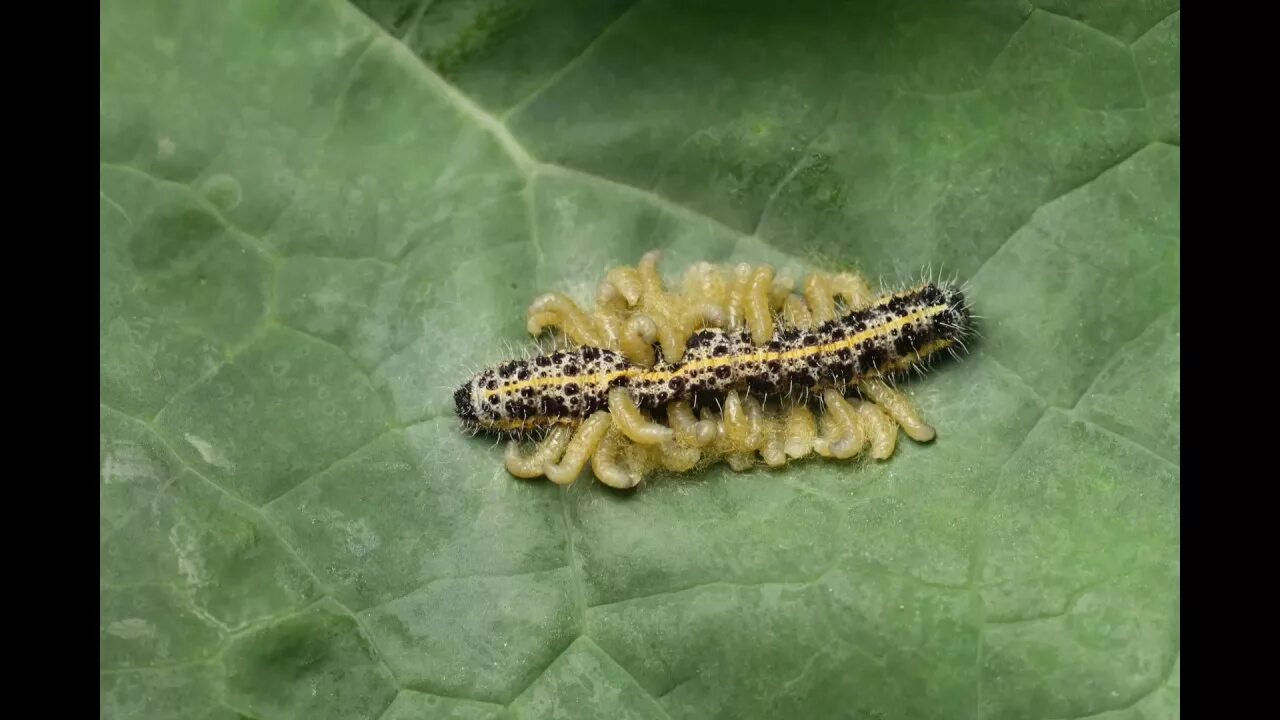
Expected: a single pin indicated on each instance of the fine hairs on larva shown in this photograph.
(736, 364)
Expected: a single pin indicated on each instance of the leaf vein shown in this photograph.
(523, 159)
(1155, 25)
(571, 561)
(456, 578)
(1159, 683)
(657, 705)
(107, 198)
(1115, 354)
(1123, 438)
(1083, 24)
(245, 237)
(1059, 196)
(568, 67)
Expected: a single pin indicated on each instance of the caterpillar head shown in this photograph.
(519, 397)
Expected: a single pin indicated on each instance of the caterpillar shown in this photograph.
(732, 364)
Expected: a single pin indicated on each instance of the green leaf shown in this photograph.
(317, 217)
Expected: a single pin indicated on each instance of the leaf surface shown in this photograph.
(318, 217)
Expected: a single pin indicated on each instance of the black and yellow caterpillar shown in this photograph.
(892, 334)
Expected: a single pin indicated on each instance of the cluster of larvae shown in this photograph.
(731, 367)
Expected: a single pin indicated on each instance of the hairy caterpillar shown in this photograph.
(732, 363)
